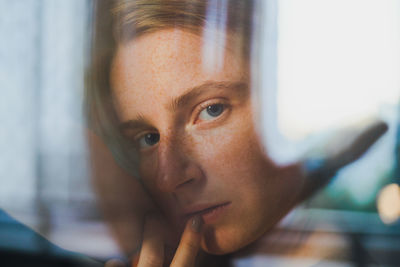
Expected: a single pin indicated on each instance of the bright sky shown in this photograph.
(338, 61)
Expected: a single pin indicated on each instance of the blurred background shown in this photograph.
(44, 174)
(332, 62)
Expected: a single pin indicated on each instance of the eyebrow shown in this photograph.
(241, 88)
(137, 123)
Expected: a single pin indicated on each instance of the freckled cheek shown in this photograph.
(222, 151)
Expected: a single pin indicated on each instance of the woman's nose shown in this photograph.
(176, 169)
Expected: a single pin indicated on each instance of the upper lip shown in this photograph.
(202, 208)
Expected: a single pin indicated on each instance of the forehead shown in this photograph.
(162, 65)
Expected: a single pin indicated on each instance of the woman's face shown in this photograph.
(199, 151)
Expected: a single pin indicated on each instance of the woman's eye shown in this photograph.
(211, 112)
(148, 140)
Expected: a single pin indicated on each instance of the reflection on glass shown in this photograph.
(207, 122)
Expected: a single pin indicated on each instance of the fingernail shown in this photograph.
(197, 222)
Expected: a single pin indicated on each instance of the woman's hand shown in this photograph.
(152, 251)
(124, 203)
(344, 149)
(121, 197)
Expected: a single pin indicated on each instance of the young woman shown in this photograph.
(169, 93)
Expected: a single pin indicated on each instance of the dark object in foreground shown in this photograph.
(28, 259)
(353, 145)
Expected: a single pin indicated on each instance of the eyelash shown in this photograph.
(203, 106)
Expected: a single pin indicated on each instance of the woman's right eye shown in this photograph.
(148, 140)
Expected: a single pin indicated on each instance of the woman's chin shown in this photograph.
(233, 237)
(215, 248)
(219, 242)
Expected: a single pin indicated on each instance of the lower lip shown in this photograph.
(211, 216)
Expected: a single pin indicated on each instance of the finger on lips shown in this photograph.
(190, 243)
(152, 251)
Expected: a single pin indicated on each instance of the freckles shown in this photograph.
(239, 157)
(219, 152)
(179, 53)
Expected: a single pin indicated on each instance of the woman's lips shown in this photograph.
(209, 214)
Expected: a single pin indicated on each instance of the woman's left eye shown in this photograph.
(211, 112)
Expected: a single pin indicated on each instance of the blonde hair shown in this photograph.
(120, 21)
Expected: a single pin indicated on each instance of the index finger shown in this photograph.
(189, 245)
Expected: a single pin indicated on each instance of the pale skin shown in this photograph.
(198, 146)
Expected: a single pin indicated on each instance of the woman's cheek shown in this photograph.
(223, 150)
(148, 169)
